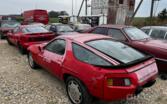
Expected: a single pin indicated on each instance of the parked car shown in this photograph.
(139, 40)
(6, 26)
(37, 15)
(95, 65)
(61, 29)
(81, 27)
(26, 35)
(49, 25)
(156, 32)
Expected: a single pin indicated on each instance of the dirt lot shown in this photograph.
(21, 85)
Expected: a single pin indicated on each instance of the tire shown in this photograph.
(31, 62)
(21, 49)
(1, 36)
(9, 41)
(77, 92)
(163, 76)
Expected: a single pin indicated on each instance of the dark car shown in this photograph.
(6, 26)
(156, 32)
(60, 29)
(139, 40)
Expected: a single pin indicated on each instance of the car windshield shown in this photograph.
(116, 50)
(83, 27)
(9, 24)
(64, 28)
(34, 29)
(136, 34)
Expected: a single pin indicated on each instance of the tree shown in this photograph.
(163, 14)
(53, 14)
(64, 13)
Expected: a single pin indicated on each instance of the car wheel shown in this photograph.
(163, 76)
(31, 61)
(1, 36)
(9, 41)
(21, 49)
(77, 92)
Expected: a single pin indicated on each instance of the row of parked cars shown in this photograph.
(107, 62)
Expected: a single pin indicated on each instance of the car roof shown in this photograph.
(114, 26)
(84, 37)
(156, 27)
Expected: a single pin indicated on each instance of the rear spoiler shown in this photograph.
(127, 65)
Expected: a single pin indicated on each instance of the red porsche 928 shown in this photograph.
(95, 66)
(26, 35)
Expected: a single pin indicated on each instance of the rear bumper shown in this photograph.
(26, 45)
(140, 88)
(120, 93)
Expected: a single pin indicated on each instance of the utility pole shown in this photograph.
(152, 10)
(72, 7)
(136, 11)
(80, 7)
(86, 7)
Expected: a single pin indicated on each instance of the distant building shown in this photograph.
(117, 11)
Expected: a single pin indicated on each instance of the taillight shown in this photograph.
(118, 82)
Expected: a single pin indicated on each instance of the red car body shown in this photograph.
(37, 16)
(95, 78)
(24, 40)
(4, 31)
(158, 48)
(7, 26)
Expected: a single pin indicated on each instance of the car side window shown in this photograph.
(100, 30)
(116, 34)
(16, 30)
(166, 36)
(158, 34)
(147, 31)
(87, 56)
(58, 46)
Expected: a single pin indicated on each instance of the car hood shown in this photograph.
(154, 43)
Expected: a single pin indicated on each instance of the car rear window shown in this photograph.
(87, 56)
(34, 29)
(116, 50)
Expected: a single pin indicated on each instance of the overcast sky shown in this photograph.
(18, 6)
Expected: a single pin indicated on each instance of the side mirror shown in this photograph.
(40, 49)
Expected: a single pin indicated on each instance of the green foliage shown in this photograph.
(163, 14)
(55, 14)
(53, 20)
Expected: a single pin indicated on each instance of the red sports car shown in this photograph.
(26, 35)
(95, 66)
(137, 39)
(7, 26)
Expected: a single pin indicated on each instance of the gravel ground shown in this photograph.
(21, 85)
